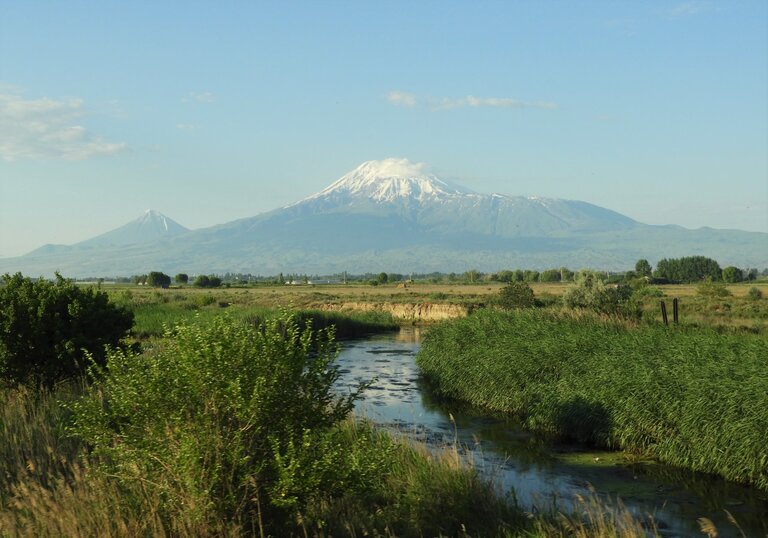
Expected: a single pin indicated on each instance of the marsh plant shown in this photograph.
(224, 420)
(692, 397)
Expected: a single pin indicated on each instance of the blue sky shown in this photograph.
(212, 111)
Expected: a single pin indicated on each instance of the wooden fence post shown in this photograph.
(664, 313)
(674, 311)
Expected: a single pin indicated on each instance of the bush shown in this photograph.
(516, 295)
(225, 422)
(712, 290)
(754, 294)
(49, 329)
(590, 292)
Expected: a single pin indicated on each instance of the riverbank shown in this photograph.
(690, 397)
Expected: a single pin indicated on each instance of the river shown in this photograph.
(541, 473)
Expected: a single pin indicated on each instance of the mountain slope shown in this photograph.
(392, 215)
(150, 227)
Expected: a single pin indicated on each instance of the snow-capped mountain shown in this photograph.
(393, 215)
(388, 181)
(397, 187)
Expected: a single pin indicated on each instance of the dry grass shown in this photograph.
(594, 517)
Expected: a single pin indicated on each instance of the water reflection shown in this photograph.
(541, 473)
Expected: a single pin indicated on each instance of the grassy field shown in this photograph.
(688, 396)
(153, 307)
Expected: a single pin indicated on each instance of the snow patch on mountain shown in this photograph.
(390, 180)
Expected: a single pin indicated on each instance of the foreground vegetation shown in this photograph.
(691, 397)
(227, 425)
(232, 430)
(226, 429)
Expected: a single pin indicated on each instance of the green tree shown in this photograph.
(732, 274)
(643, 268)
(688, 269)
(156, 279)
(516, 295)
(530, 276)
(505, 276)
(472, 276)
(550, 275)
(48, 330)
(383, 278)
(207, 281)
(181, 278)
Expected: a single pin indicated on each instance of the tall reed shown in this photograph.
(691, 397)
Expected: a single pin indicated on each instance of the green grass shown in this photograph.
(691, 397)
(152, 318)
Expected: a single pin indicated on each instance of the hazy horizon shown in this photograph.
(210, 113)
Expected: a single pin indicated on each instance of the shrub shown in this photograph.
(181, 278)
(754, 294)
(712, 290)
(590, 292)
(47, 329)
(225, 422)
(516, 295)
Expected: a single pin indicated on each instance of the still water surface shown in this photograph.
(542, 473)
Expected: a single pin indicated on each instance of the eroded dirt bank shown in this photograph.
(405, 311)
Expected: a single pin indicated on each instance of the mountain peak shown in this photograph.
(150, 226)
(391, 167)
(390, 179)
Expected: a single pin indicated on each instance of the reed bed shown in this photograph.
(691, 397)
(153, 318)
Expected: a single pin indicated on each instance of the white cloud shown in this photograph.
(687, 9)
(46, 128)
(448, 103)
(199, 97)
(401, 98)
(186, 126)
